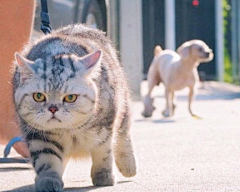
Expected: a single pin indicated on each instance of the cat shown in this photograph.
(72, 100)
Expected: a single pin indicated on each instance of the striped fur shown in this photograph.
(96, 124)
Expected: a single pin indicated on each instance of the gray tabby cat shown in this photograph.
(72, 100)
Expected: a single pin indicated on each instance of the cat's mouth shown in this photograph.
(53, 118)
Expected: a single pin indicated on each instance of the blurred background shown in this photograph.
(137, 26)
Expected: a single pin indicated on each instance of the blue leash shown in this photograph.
(45, 18)
(10, 144)
(7, 151)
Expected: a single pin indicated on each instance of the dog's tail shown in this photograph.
(157, 50)
(153, 72)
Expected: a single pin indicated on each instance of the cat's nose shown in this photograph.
(53, 108)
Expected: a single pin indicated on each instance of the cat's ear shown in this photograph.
(25, 66)
(91, 60)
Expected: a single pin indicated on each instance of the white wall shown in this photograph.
(131, 42)
(170, 32)
(219, 40)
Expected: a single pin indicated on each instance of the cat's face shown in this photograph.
(56, 93)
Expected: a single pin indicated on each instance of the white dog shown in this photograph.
(176, 71)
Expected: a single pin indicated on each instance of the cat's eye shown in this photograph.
(70, 98)
(39, 97)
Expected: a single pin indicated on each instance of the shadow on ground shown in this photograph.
(163, 120)
(81, 189)
(30, 188)
(6, 169)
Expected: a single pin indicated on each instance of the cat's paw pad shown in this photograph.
(127, 165)
(103, 178)
(128, 171)
(48, 184)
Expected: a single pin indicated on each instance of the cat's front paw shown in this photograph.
(127, 165)
(48, 184)
(103, 178)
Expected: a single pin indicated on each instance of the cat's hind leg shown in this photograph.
(123, 148)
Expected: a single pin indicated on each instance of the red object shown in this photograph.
(195, 3)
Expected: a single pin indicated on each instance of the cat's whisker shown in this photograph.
(71, 130)
(29, 130)
(85, 129)
(80, 131)
(64, 132)
(29, 127)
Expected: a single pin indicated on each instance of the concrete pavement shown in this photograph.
(174, 154)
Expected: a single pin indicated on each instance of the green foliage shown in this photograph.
(227, 67)
(227, 59)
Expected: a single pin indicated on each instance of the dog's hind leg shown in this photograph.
(169, 103)
(148, 101)
(153, 79)
(173, 103)
(190, 98)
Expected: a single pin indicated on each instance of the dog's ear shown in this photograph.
(184, 50)
(157, 50)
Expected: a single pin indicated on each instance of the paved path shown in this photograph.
(174, 154)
